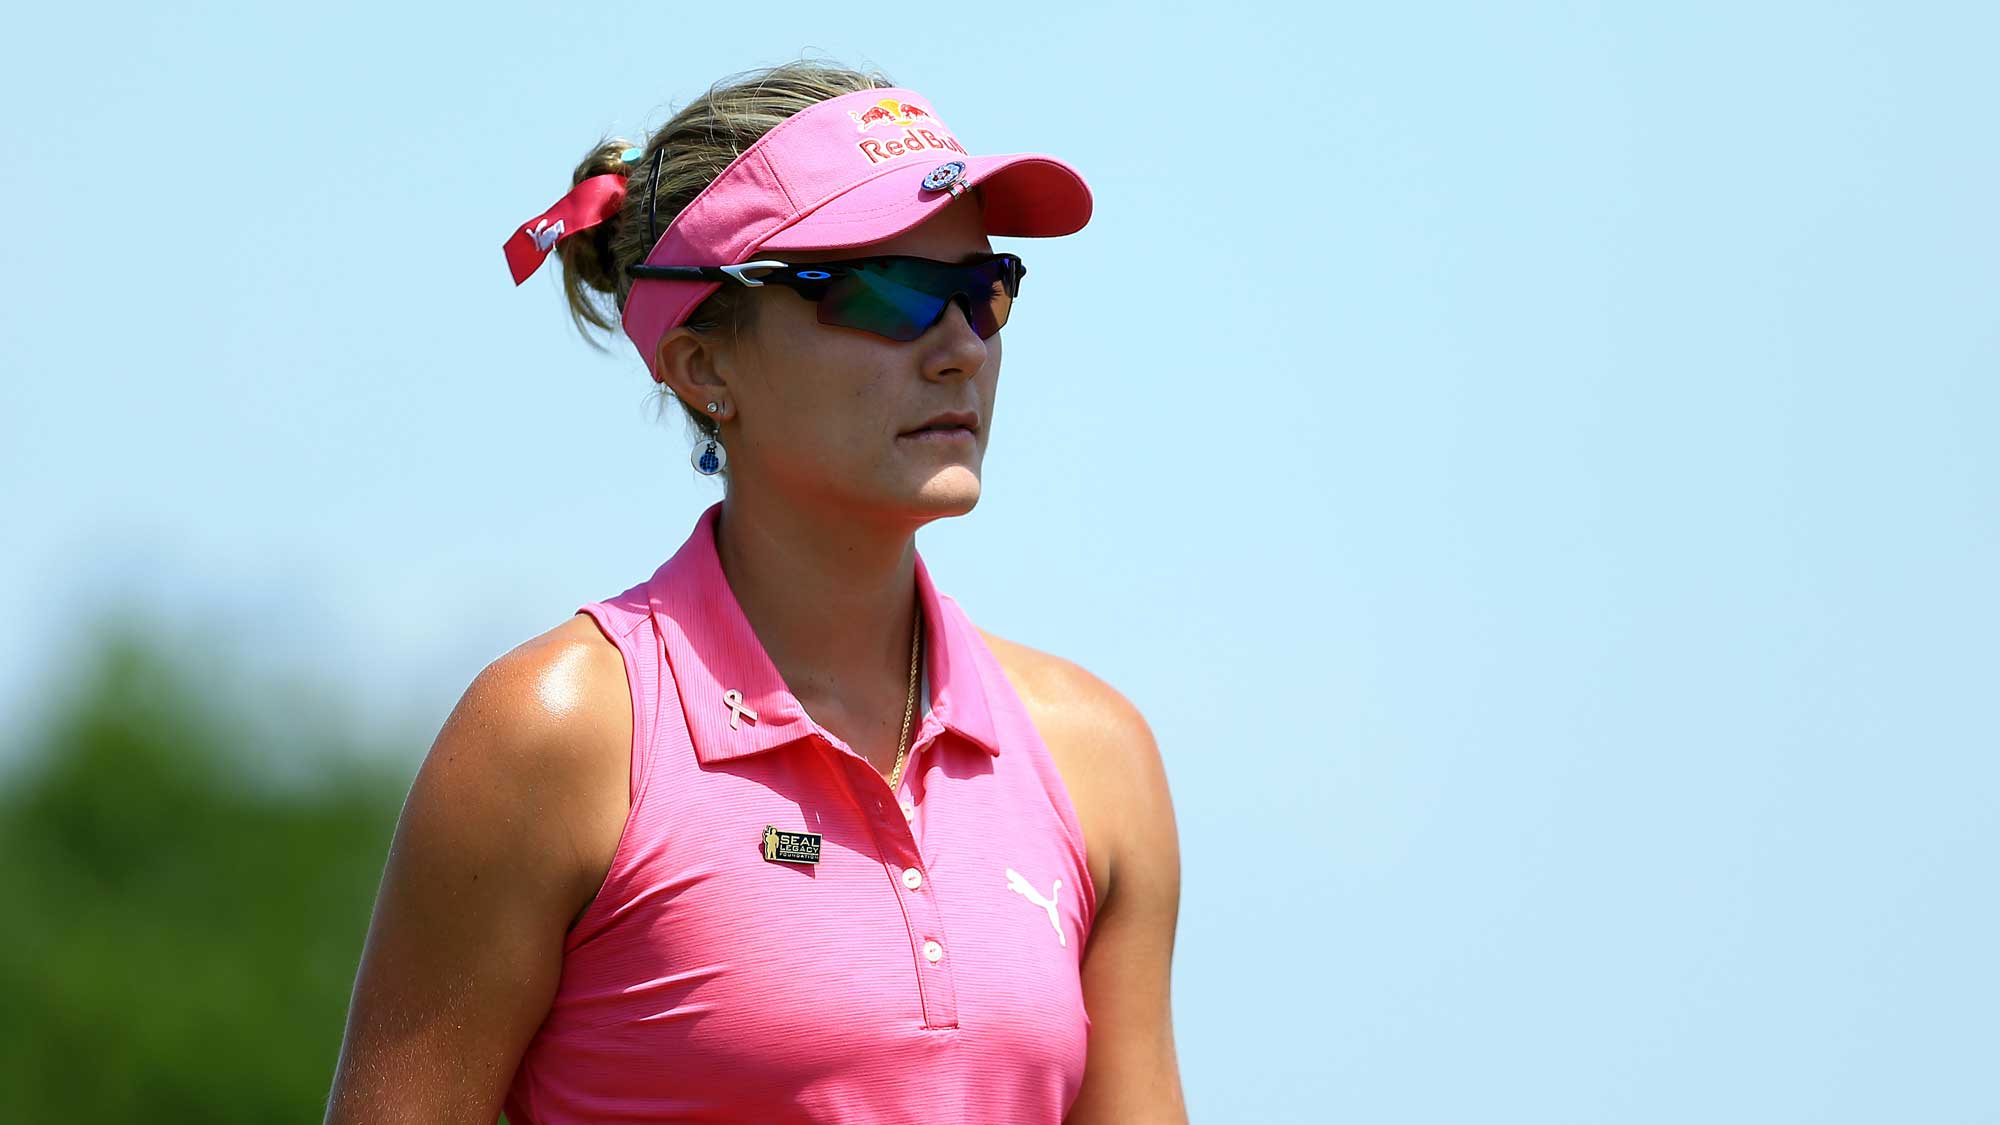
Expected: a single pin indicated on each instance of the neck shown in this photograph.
(832, 599)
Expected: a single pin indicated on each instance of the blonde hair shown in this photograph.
(694, 147)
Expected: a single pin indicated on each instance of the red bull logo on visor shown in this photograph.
(922, 131)
(889, 111)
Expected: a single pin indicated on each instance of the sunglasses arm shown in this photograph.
(704, 273)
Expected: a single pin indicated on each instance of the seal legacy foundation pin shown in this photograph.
(790, 847)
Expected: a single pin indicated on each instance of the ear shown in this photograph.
(695, 367)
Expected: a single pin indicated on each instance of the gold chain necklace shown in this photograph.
(910, 702)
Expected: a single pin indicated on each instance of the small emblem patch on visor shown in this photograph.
(945, 175)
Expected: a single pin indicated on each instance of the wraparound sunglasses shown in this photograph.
(894, 295)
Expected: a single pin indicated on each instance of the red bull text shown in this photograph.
(913, 140)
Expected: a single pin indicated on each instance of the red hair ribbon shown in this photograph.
(587, 204)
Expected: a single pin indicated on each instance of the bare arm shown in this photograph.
(1133, 1075)
(492, 859)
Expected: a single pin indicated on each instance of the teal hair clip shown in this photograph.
(632, 155)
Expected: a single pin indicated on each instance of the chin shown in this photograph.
(950, 492)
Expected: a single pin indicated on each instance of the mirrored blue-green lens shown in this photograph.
(901, 298)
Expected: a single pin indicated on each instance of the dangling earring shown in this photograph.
(709, 457)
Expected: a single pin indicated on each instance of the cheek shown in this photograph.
(826, 389)
(989, 375)
(786, 324)
(795, 356)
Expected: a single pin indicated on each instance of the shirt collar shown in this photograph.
(714, 651)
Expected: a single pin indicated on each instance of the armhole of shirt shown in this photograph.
(640, 769)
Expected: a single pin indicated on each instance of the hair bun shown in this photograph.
(587, 255)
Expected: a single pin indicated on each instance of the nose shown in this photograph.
(952, 347)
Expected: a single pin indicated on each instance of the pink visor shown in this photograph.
(848, 171)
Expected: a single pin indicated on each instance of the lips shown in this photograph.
(957, 420)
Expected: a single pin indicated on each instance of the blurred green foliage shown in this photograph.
(181, 921)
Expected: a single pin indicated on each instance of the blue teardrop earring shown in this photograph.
(709, 457)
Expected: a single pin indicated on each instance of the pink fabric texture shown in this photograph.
(926, 969)
(846, 171)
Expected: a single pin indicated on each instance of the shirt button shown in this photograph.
(909, 811)
(933, 950)
(912, 878)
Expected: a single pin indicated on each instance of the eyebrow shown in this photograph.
(974, 256)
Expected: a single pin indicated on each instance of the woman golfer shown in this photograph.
(778, 834)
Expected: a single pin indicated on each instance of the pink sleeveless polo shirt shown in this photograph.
(925, 968)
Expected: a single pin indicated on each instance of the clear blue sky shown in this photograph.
(1534, 467)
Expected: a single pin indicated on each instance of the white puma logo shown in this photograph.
(545, 234)
(1019, 882)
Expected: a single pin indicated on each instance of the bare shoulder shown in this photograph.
(1102, 745)
(538, 752)
(566, 695)
(1063, 689)
(566, 672)
(506, 834)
